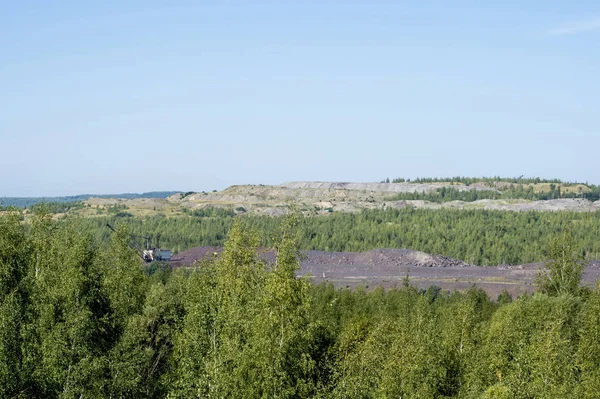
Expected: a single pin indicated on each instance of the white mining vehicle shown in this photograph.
(150, 254)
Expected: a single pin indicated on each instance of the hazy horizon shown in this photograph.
(411, 180)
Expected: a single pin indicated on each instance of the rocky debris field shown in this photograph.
(375, 258)
(381, 258)
(382, 187)
(189, 257)
(388, 268)
(323, 198)
(326, 197)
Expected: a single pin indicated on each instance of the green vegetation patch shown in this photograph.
(81, 321)
(476, 236)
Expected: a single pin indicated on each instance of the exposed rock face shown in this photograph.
(381, 187)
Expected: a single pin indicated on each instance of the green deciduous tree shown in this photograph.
(140, 362)
(529, 351)
(212, 349)
(14, 297)
(563, 271)
(72, 328)
(282, 330)
(589, 347)
(124, 280)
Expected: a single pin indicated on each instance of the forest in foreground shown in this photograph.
(78, 320)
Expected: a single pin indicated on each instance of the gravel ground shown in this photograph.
(388, 267)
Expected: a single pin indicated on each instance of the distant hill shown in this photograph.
(26, 202)
(324, 198)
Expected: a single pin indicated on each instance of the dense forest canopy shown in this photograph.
(477, 236)
(447, 194)
(81, 321)
(470, 180)
(500, 188)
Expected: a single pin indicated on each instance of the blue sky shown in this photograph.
(131, 96)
